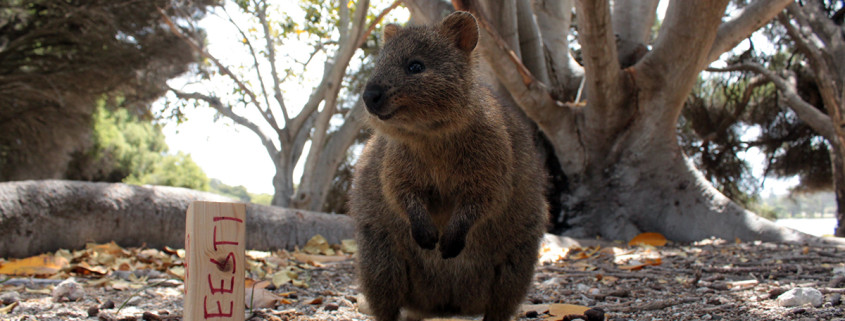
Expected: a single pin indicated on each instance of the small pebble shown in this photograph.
(149, 316)
(107, 305)
(801, 296)
(68, 290)
(10, 297)
(594, 314)
(531, 314)
(93, 311)
(331, 307)
(835, 299)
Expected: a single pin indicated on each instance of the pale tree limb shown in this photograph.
(530, 42)
(753, 17)
(602, 70)
(332, 155)
(680, 51)
(557, 120)
(554, 18)
(334, 71)
(326, 149)
(808, 113)
(153, 216)
(427, 11)
(632, 20)
(531, 95)
(503, 12)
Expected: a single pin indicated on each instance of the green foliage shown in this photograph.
(57, 58)
(238, 192)
(129, 149)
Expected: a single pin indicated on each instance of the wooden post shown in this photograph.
(214, 261)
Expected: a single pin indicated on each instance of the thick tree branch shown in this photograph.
(753, 17)
(427, 11)
(530, 42)
(632, 20)
(820, 122)
(503, 12)
(680, 51)
(598, 47)
(554, 18)
(335, 68)
(531, 95)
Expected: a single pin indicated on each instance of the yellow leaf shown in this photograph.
(349, 246)
(8, 308)
(110, 248)
(316, 245)
(649, 238)
(280, 278)
(560, 309)
(350, 3)
(36, 265)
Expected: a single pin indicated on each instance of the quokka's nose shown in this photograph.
(374, 98)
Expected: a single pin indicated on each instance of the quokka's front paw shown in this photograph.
(425, 235)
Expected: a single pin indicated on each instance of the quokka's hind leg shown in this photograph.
(512, 280)
(381, 273)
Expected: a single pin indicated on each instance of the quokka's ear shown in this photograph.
(390, 31)
(462, 28)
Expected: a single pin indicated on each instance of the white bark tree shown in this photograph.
(617, 144)
(285, 143)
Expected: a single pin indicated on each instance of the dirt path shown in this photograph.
(708, 280)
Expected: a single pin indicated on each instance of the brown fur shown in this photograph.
(448, 168)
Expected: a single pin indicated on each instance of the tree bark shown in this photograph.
(43, 216)
(837, 160)
(619, 150)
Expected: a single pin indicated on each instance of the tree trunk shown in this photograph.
(837, 160)
(647, 184)
(43, 216)
(625, 171)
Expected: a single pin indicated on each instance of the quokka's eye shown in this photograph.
(415, 67)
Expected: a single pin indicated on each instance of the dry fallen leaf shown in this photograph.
(318, 245)
(312, 259)
(349, 246)
(637, 265)
(261, 298)
(44, 264)
(559, 310)
(648, 238)
(281, 277)
(539, 308)
(8, 308)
